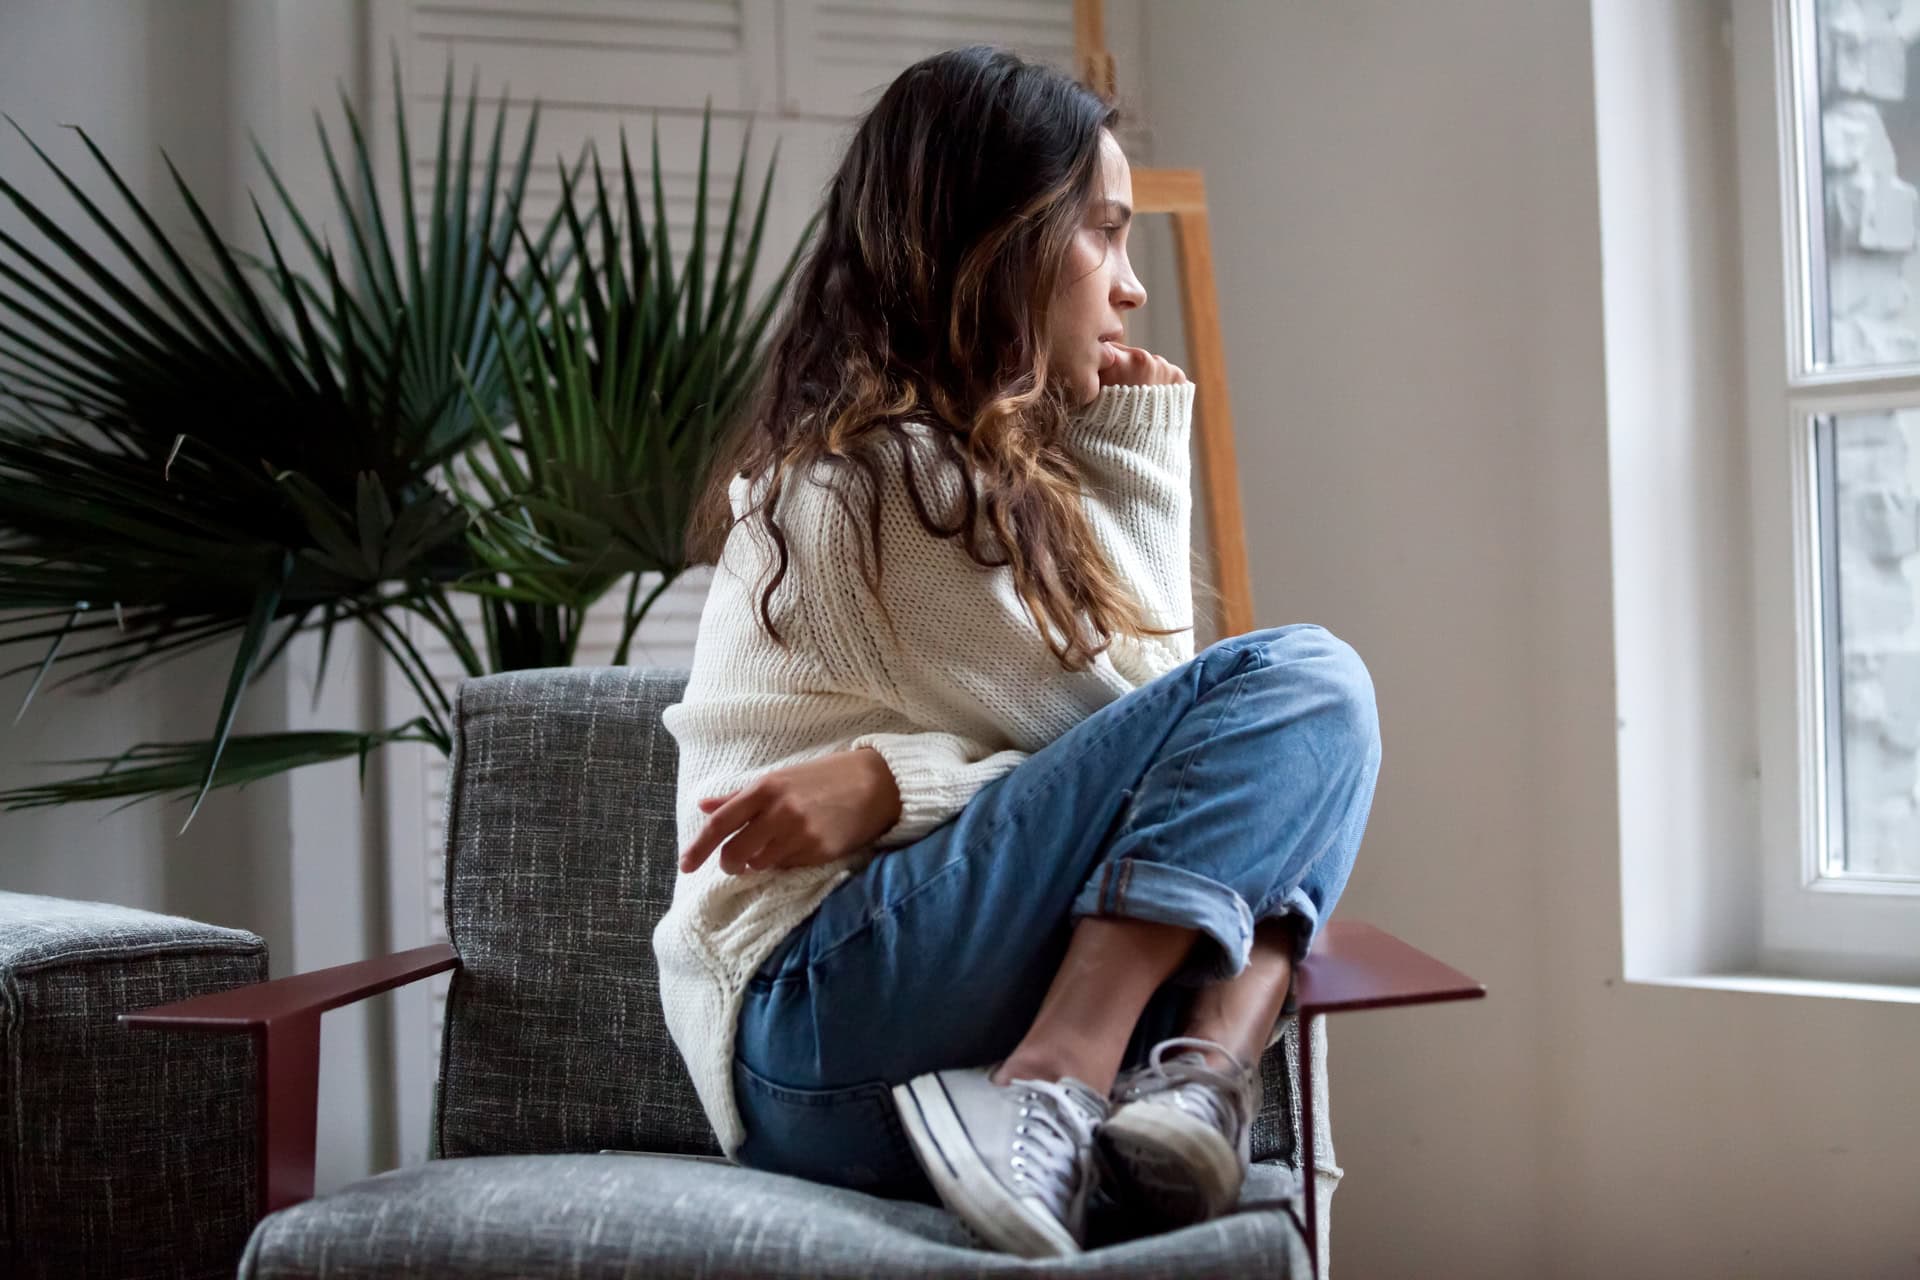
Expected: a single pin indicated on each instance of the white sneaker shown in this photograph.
(1015, 1162)
(1179, 1138)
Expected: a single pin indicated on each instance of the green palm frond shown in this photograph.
(198, 445)
(151, 770)
(426, 299)
(618, 402)
(201, 445)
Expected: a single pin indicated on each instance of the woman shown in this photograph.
(966, 825)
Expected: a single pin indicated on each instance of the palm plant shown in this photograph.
(617, 404)
(250, 449)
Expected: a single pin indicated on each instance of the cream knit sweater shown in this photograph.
(964, 691)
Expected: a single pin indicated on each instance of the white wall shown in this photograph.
(1407, 228)
(1683, 601)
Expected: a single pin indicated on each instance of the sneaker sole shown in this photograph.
(975, 1196)
(1182, 1171)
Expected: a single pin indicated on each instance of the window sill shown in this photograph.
(1781, 985)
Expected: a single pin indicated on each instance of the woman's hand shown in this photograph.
(1136, 366)
(800, 816)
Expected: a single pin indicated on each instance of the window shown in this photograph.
(1828, 104)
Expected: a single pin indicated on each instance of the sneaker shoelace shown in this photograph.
(1218, 1097)
(1053, 1139)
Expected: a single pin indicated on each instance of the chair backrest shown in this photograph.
(561, 851)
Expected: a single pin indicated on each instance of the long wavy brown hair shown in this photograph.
(924, 300)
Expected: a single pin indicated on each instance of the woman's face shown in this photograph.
(1098, 286)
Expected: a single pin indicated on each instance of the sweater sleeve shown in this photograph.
(937, 774)
(1133, 447)
(942, 662)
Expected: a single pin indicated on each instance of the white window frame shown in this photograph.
(1813, 925)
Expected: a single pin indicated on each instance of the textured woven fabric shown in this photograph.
(947, 675)
(560, 858)
(128, 1153)
(589, 1216)
(1276, 1130)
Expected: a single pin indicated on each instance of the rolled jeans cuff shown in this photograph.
(1141, 890)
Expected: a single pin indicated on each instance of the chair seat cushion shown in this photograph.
(589, 1216)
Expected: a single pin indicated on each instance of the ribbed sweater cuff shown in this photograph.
(934, 781)
(1151, 420)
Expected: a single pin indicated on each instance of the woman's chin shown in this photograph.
(1090, 388)
(1082, 387)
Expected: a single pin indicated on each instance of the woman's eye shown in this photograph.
(1111, 229)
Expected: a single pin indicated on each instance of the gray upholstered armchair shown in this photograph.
(560, 856)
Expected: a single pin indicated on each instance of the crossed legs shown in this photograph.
(1112, 968)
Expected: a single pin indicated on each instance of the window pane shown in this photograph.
(1862, 122)
(1870, 506)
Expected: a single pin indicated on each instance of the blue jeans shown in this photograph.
(1233, 789)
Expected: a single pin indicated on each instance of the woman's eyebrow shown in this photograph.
(1120, 208)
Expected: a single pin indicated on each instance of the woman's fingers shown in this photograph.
(748, 845)
(773, 855)
(1136, 366)
(735, 813)
(802, 815)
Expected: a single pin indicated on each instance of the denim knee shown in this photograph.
(1312, 660)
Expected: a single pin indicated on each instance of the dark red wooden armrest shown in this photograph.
(1355, 965)
(283, 1017)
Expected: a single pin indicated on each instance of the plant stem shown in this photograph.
(440, 614)
(433, 699)
(490, 611)
(633, 616)
(626, 622)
